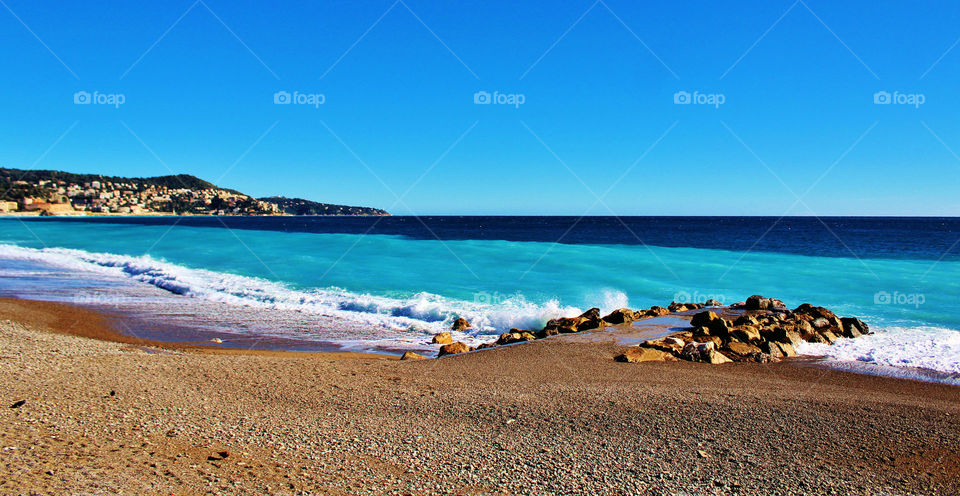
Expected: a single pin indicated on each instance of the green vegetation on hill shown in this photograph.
(299, 206)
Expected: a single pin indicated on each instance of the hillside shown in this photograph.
(52, 192)
(299, 206)
(178, 181)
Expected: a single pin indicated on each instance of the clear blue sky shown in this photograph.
(198, 80)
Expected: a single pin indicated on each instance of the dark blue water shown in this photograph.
(922, 238)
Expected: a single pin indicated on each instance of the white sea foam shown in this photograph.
(930, 348)
(422, 313)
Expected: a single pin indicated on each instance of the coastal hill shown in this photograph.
(51, 192)
(299, 206)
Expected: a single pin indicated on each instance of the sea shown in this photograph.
(388, 284)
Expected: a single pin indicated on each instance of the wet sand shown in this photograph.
(545, 417)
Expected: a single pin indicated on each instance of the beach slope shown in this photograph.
(82, 415)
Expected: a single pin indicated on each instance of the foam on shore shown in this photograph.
(422, 313)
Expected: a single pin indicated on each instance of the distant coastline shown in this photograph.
(58, 193)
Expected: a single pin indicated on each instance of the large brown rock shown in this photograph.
(757, 302)
(668, 344)
(620, 316)
(656, 311)
(443, 338)
(547, 332)
(675, 307)
(787, 349)
(742, 349)
(854, 327)
(784, 334)
(745, 333)
(719, 327)
(637, 354)
(714, 357)
(772, 348)
(454, 348)
(703, 319)
(515, 336)
(815, 312)
(746, 320)
(564, 325)
(593, 313)
(820, 323)
(460, 324)
(709, 339)
(588, 324)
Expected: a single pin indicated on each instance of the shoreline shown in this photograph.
(72, 320)
(549, 416)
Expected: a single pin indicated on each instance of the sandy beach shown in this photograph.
(547, 417)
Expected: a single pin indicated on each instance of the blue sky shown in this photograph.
(598, 131)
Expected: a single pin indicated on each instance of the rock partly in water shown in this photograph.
(656, 311)
(515, 336)
(460, 324)
(620, 316)
(703, 319)
(593, 313)
(854, 327)
(443, 338)
(757, 302)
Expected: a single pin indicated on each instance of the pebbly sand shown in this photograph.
(120, 415)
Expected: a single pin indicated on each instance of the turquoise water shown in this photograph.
(400, 282)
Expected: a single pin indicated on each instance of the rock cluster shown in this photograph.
(767, 331)
(586, 321)
(764, 330)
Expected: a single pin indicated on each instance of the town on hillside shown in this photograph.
(63, 197)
